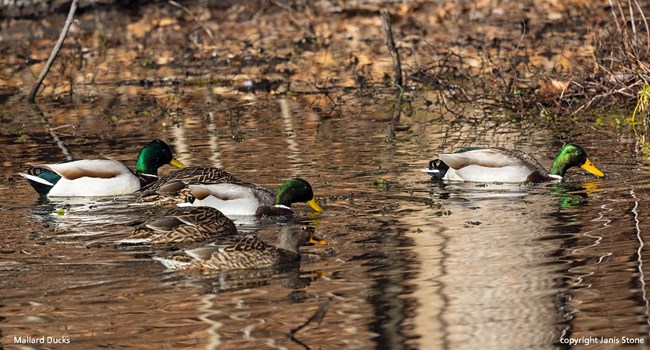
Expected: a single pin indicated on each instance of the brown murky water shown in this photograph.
(410, 263)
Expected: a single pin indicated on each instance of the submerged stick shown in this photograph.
(390, 43)
(55, 137)
(55, 51)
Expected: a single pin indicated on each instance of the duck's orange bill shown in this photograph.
(312, 203)
(317, 241)
(177, 164)
(589, 167)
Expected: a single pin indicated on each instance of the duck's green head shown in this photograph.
(154, 155)
(294, 191)
(573, 155)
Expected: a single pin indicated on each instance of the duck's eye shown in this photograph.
(190, 199)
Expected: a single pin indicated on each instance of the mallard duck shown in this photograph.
(100, 177)
(183, 225)
(502, 165)
(246, 253)
(173, 186)
(241, 198)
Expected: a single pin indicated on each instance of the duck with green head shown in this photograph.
(100, 177)
(246, 253)
(241, 198)
(480, 164)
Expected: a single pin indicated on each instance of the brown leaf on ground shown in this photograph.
(551, 89)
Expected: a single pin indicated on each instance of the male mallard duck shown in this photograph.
(502, 165)
(241, 198)
(100, 177)
(183, 225)
(173, 186)
(246, 253)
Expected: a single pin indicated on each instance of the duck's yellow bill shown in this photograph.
(589, 167)
(312, 203)
(316, 241)
(177, 164)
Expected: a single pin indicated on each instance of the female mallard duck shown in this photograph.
(100, 177)
(241, 198)
(183, 225)
(502, 165)
(246, 253)
(173, 186)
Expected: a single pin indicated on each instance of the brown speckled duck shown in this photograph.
(173, 188)
(246, 253)
(183, 225)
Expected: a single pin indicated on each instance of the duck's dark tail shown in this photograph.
(41, 179)
(437, 169)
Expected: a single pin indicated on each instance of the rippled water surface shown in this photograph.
(410, 263)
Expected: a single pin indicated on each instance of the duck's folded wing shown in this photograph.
(486, 157)
(165, 223)
(224, 191)
(98, 168)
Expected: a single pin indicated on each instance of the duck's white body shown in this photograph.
(231, 199)
(477, 173)
(91, 177)
(492, 165)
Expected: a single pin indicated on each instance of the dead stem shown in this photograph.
(55, 51)
(194, 18)
(390, 43)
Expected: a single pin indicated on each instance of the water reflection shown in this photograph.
(410, 264)
(491, 285)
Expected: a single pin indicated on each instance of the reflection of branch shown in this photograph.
(317, 316)
(56, 138)
(639, 254)
(55, 51)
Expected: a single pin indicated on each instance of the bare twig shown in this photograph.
(390, 43)
(645, 23)
(55, 51)
(194, 18)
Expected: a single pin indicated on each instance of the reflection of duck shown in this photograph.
(182, 225)
(240, 198)
(247, 253)
(173, 186)
(100, 177)
(501, 165)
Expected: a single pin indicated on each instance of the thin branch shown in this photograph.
(645, 23)
(390, 43)
(55, 51)
(194, 18)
